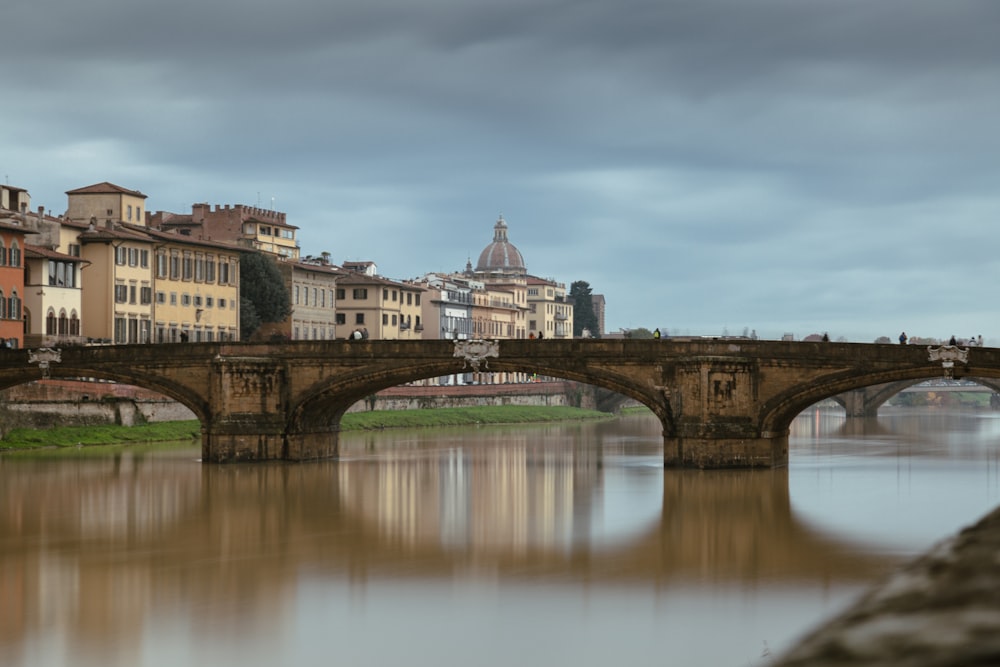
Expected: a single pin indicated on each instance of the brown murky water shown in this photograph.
(493, 546)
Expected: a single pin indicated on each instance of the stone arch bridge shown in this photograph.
(722, 403)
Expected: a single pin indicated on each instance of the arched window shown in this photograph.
(63, 323)
(14, 306)
(15, 254)
(3, 254)
(3, 304)
(50, 322)
(74, 324)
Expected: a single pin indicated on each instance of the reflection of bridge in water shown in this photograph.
(137, 528)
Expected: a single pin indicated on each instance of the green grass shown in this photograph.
(487, 414)
(73, 436)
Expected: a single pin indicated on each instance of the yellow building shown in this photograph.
(195, 282)
(197, 289)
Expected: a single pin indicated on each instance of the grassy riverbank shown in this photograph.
(24, 438)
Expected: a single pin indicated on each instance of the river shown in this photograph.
(492, 546)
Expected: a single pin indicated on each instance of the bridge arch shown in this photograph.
(322, 405)
(779, 413)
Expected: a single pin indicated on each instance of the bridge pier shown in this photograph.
(769, 451)
(234, 441)
(312, 446)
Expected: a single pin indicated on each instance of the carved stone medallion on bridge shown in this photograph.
(43, 357)
(948, 355)
(475, 352)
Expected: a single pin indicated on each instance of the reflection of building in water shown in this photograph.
(514, 495)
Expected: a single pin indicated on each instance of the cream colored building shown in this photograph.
(550, 311)
(387, 309)
(312, 284)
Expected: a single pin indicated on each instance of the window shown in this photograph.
(199, 268)
(175, 265)
(161, 297)
(209, 302)
(130, 212)
(121, 255)
(360, 294)
(341, 293)
(121, 293)
(185, 299)
(14, 307)
(341, 318)
(359, 318)
(385, 293)
(210, 269)
(409, 299)
(50, 322)
(15, 254)
(197, 301)
(121, 332)
(131, 293)
(144, 259)
(173, 298)
(188, 266)
(385, 319)
(222, 303)
(161, 265)
(74, 249)
(146, 295)
(133, 257)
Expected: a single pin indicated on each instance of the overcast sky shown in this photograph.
(709, 166)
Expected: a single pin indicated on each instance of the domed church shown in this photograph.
(501, 257)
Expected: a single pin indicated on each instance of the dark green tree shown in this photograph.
(263, 294)
(584, 316)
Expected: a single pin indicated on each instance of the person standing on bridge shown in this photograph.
(902, 338)
(656, 333)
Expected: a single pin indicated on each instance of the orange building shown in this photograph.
(12, 245)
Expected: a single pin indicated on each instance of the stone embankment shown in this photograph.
(48, 403)
(942, 609)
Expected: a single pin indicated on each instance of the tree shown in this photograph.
(263, 295)
(642, 333)
(584, 316)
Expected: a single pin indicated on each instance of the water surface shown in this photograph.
(492, 546)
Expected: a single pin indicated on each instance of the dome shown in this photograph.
(501, 256)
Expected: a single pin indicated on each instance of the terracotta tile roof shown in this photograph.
(14, 227)
(103, 189)
(46, 253)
